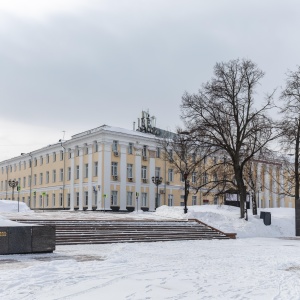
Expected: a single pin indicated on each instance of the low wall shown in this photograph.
(27, 239)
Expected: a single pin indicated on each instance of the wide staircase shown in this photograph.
(69, 232)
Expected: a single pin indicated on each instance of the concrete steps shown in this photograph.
(69, 232)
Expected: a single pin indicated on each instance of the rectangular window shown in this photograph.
(77, 172)
(77, 151)
(181, 177)
(170, 175)
(24, 182)
(157, 152)
(144, 172)
(41, 201)
(157, 172)
(204, 178)
(29, 180)
(47, 159)
(77, 199)
(47, 200)
(114, 169)
(61, 174)
(194, 200)
(115, 146)
(69, 199)
(144, 151)
(61, 155)
(54, 157)
(53, 200)
(130, 148)
(144, 200)
(215, 177)
(60, 199)
(170, 200)
(41, 178)
(129, 171)
(69, 153)
(95, 197)
(41, 160)
(114, 198)
(86, 196)
(86, 175)
(95, 168)
(194, 177)
(47, 176)
(54, 176)
(34, 179)
(215, 200)
(96, 147)
(35, 162)
(69, 173)
(129, 199)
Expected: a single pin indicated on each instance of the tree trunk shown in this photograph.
(297, 204)
(241, 189)
(254, 204)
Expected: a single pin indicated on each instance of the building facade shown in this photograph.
(111, 168)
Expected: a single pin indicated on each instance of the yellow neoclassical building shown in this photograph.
(103, 168)
(111, 168)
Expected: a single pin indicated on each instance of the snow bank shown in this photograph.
(11, 206)
(227, 219)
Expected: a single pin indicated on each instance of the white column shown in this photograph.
(90, 177)
(80, 179)
(123, 177)
(281, 180)
(100, 172)
(107, 175)
(267, 187)
(152, 186)
(259, 183)
(138, 172)
(274, 186)
(72, 180)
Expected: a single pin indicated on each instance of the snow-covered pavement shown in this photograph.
(254, 266)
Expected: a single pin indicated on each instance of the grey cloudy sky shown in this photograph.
(72, 65)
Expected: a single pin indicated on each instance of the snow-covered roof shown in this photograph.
(105, 128)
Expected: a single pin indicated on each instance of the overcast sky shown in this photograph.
(75, 65)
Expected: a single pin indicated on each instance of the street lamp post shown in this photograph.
(13, 183)
(186, 191)
(157, 181)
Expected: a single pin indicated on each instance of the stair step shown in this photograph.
(72, 232)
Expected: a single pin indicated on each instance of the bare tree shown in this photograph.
(185, 155)
(222, 115)
(290, 129)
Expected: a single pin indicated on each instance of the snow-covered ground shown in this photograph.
(262, 263)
